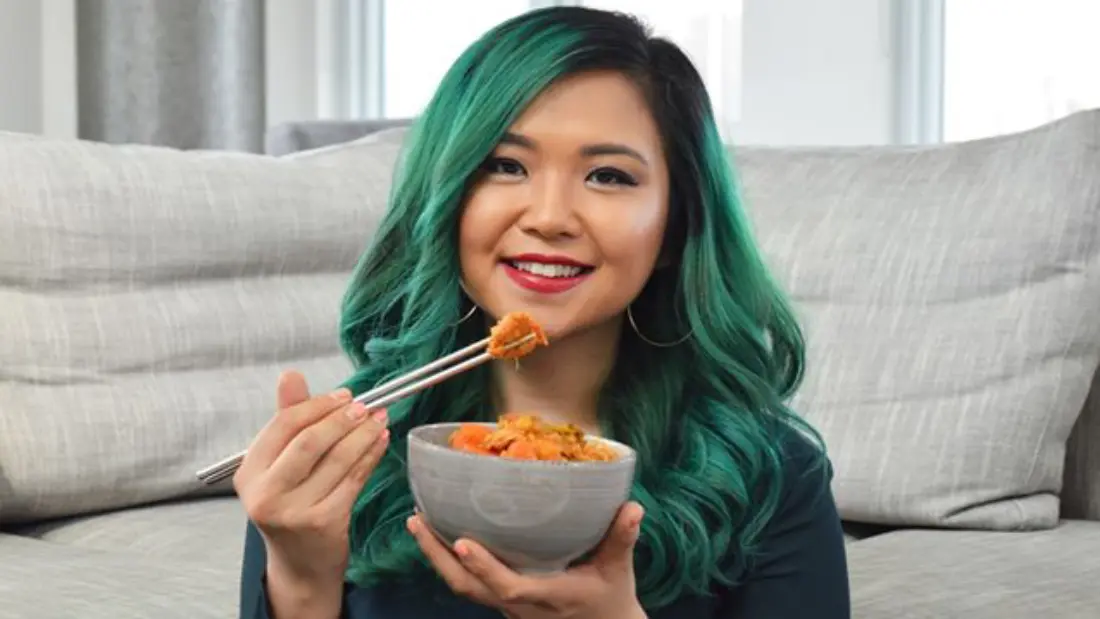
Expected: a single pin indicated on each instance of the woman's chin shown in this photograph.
(558, 325)
(554, 326)
(557, 330)
(557, 322)
(552, 323)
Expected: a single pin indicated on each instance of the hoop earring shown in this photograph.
(473, 309)
(634, 325)
(473, 306)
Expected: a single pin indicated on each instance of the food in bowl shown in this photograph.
(535, 516)
(515, 335)
(528, 437)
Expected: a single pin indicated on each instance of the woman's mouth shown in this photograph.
(546, 274)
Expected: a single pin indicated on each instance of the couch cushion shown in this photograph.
(949, 295)
(150, 297)
(46, 580)
(978, 574)
(206, 532)
(191, 548)
(1081, 493)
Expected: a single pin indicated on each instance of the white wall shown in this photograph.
(20, 66)
(58, 32)
(814, 72)
(38, 67)
(292, 60)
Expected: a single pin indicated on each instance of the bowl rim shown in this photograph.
(629, 455)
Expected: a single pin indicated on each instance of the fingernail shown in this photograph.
(356, 411)
(341, 395)
(380, 417)
(461, 549)
(410, 524)
(385, 435)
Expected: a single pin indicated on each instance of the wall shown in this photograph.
(817, 72)
(814, 72)
(20, 66)
(292, 60)
(58, 53)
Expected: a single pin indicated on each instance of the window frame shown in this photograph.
(359, 56)
(357, 47)
(918, 29)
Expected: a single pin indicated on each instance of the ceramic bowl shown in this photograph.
(534, 516)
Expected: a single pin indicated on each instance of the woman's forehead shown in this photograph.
(600, 107)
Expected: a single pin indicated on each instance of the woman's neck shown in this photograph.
(561, 382)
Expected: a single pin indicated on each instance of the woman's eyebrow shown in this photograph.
(590, 150)
(610, 148)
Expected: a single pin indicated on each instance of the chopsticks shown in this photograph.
(381, 396)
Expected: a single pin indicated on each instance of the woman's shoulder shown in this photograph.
(801, 548)
(800, 443)
(806, 472)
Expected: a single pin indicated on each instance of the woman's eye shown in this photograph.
(611, 176)
(506, 167)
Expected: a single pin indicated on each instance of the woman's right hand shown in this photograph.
(298, 484)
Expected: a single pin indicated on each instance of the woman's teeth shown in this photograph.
(548, 270)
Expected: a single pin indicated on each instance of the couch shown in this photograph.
(149, 297)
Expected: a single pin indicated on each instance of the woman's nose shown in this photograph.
(551, 210)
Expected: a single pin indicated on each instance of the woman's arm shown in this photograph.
(265, 595)
(802, 570)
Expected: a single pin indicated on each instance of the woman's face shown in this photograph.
(567, 219)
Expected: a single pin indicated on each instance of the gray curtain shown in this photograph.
(182, 73)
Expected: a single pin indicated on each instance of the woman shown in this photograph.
(568, 166)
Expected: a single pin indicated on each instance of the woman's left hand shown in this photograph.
(602, 588)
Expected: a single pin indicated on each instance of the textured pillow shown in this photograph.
(950, 296)
(149, 299)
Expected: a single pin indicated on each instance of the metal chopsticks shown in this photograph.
(383, 395)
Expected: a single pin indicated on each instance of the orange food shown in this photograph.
(513, 328)
(526, 437)
(470, 438)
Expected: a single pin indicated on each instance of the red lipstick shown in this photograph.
(546, 259)
(545, 283)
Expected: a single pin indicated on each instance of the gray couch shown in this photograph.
(951, 296)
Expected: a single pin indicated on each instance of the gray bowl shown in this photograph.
(534, 516)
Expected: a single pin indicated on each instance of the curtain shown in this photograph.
(181, 73)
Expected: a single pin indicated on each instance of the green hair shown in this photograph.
(707, 417)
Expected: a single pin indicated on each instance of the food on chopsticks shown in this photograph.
(515, 335)
(527, 437)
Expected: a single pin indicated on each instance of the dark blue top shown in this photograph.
(801, 570)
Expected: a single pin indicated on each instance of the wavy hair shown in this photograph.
(707, 417)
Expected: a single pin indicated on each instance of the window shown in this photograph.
(1010, 65)
(709, 32)
(420, 39)
(423, 38)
